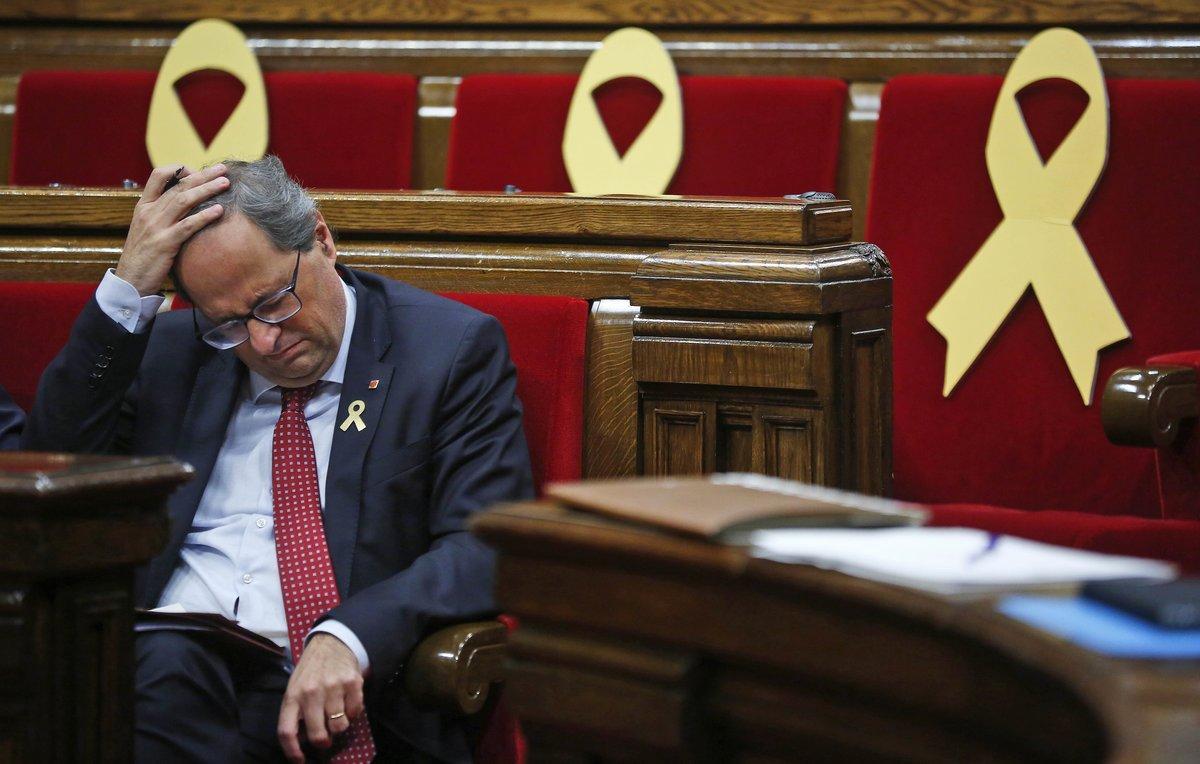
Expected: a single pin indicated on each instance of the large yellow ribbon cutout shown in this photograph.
(170, 136)
(1036, 244)
(593, 164)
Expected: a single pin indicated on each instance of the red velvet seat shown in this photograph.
(35, 321)
(1015, 434)
(743, 136)
(547, 337)
(332, 130)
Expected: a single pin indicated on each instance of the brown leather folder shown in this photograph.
(725, 507)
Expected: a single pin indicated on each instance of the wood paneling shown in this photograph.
(813, 280)
(611, 402)
(461, 214)
(866, 55)
(717, 13)
(679, 436)
(735, 439)
(793, 444)
(435, 110)
(866, 399)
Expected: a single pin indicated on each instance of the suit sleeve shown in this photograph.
(12, 421)
(479, 458)
(82, 402)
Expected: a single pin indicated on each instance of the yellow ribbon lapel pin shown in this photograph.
(354, 414)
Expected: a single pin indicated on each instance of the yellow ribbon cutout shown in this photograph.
(170, 136)
(1036, 244)
(592, 161)
(354, 417)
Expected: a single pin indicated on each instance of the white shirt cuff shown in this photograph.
(121, 302)
(342, 632)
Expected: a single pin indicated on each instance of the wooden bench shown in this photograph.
(730, 335)
(863, 44)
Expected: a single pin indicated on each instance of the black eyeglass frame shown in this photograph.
(253, 314)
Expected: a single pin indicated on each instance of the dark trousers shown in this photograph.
(198, 702)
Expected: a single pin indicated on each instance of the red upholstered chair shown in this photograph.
(35, 320)
(547, 338)
(743, 136)
(1013, 448)
(332, 130)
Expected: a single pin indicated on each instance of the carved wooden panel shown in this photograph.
(611, 398)
(735, 439)
(866, 408)
(791, 443)
(679, 436)
(93, 620)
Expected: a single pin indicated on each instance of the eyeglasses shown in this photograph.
(275, 309)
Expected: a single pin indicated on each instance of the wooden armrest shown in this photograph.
(453, 669)
(1145, 406)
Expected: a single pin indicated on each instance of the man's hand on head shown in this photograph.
(161, 225)
(326, 683)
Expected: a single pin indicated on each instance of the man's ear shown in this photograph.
(324, 237)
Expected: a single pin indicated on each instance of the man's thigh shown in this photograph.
(196, 703)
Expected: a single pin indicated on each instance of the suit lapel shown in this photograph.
(347, 457)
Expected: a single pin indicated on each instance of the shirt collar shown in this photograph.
(259, 385)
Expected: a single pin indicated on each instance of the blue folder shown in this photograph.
(1101, 628)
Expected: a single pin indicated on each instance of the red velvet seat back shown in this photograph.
(332, 130)
(744, 136)
(1015, 431)
(547, 339)
(35, 321)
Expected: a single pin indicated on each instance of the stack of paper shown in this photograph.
(947, 560)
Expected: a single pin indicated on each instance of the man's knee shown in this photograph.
(176, 659)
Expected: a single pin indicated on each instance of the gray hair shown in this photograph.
(262, 191)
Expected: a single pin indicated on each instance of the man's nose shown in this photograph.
(264, 338)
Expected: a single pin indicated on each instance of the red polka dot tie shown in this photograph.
(305, 571)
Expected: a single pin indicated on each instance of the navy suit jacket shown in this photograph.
(12, 419)
(443, 439)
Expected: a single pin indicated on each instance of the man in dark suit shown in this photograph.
(343, 428)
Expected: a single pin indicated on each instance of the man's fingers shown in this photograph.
(184, 200)
(287, 731)
(337, 716)
(192, 223)
(315, 721)
(353, 700)
(190, 180)
(157, 182)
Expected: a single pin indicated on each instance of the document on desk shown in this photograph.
(947, 560)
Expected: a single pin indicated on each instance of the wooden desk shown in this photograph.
(635, 645)
(72, 530)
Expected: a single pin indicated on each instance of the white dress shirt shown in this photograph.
(227, 564)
